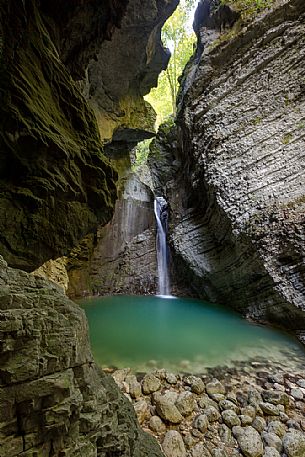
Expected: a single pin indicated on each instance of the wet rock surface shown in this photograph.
(233, 425)
(122, 257)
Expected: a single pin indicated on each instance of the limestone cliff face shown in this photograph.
(238, 226)
(54, 400)
(125, 69)
(122, 258)
(55, 184)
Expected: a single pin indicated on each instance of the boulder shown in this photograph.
(249, 441)
(294, 443)
(173, 445)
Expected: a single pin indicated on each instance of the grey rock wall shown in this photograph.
(54, 399)
(123, 258)
(238, 224)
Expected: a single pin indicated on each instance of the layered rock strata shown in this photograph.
(238, 208)
(56, 186)
(54, 400)
(122, 258)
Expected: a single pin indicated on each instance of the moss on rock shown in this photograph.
(55, 183)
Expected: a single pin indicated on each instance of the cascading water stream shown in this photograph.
(160, 207)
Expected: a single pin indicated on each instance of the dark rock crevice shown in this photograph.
(56, 185)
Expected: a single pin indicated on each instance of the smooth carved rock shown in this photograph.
(54, 397)
(121, 112)
(123, 259)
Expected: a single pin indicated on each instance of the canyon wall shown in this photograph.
(56, 187)
(122, 257)
(238, 197)
(54, 400)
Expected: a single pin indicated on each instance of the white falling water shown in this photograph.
(160, 206)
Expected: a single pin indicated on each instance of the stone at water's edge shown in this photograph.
(237, 199)
(230, 426)
(173, 445)
(54, 400)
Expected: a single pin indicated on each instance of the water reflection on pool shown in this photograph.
(179, 334)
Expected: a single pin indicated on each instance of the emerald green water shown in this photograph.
(178, 333)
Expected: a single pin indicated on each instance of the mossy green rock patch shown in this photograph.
(55, 183)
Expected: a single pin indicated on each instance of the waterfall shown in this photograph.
(160, 206)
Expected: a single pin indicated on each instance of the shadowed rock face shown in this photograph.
(55, 187)
(55, 184)
(79, 28)
(239, 206)
(54, 400)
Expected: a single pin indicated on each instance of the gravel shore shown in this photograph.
(255, 409)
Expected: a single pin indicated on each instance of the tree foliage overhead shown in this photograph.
(178, 36)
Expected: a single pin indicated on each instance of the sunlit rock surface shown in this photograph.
(126, 68)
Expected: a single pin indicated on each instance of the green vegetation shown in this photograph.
(248, 8)
(141, 152)
(179, 38)
(287, 138)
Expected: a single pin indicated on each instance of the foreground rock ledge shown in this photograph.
(54, 400)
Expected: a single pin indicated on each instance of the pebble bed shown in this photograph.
(256, 409)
